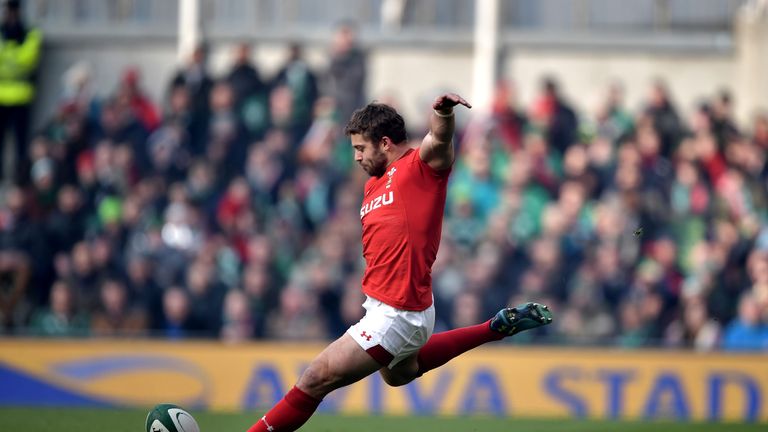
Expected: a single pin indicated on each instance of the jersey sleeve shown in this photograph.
(427, 172)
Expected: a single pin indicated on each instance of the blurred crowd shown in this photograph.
(639, 227)
(231, 210)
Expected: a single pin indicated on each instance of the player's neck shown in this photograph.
(396, 152)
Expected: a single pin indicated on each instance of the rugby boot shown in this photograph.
(510, 321)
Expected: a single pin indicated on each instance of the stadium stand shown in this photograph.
(231, 211)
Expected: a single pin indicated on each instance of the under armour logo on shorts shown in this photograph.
(366, 336)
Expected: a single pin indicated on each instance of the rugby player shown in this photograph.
(402, 215)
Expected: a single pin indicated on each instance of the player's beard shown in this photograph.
(376, 166)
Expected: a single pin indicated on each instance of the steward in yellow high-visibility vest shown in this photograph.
(19, 56)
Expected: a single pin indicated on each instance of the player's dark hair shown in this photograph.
(376, 121)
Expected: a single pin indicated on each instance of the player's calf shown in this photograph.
(510, 321)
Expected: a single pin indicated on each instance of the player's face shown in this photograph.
(369, 156)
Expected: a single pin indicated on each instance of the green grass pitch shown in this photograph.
(116, 420)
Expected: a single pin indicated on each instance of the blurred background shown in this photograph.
(176, 169)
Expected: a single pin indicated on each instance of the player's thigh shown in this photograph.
(341, 363)
(403, 372)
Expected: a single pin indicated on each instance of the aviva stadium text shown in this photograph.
(497, 380)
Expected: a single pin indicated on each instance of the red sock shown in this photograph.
(442, 347)
(289, 414)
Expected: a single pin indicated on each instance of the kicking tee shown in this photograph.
(402, 217)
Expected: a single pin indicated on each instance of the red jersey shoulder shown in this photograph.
(423, 168)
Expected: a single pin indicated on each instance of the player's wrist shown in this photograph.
(444, 113)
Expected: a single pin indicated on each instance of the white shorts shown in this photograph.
(390, 335)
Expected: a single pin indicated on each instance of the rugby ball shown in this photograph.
(170, 418)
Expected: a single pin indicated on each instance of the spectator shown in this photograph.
(646, 305)
(351, 299)
(190, 129)
(20, 48)
(689, 196)
(663, 252)
(585, 317)
(347, 72)
(82, 276)
(746, 332)
(760, 132)
(26, 255)
(43, 186)
(63, 318)
(576, 168)
(556, 117)
(143, 290)
(237, 326)
(234, 206)
(115, 316)
(206, 297)
(320, 147)
(201, 187)
(260, 289)
(475, 183)
(78, 93)
(544, 163)
(298, 77)
(194, 77)
(297, 318)
(143, 108)
(244, 77)
(695, 329)
(634, 332)
(182, 231)
(613, 122)
(176, 316)
(610, 275)
(168, 151)
(14, 305)
(757, 270)
(723, 126)
(509, 122)
(664, 116)
(66, 225)
(227, 139)
(467, 310)
(120, 126)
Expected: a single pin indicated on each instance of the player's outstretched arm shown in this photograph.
(437, 148)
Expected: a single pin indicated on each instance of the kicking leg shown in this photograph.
(442, 347)
(342, 363)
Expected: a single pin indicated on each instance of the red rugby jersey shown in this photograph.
(402, 217)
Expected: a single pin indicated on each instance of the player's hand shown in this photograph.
(446, 102)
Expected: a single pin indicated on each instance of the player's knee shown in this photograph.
(318, 379)
(398, 380)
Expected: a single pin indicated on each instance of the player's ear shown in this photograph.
(385, 143)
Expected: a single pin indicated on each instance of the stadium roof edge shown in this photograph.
(637, 41)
